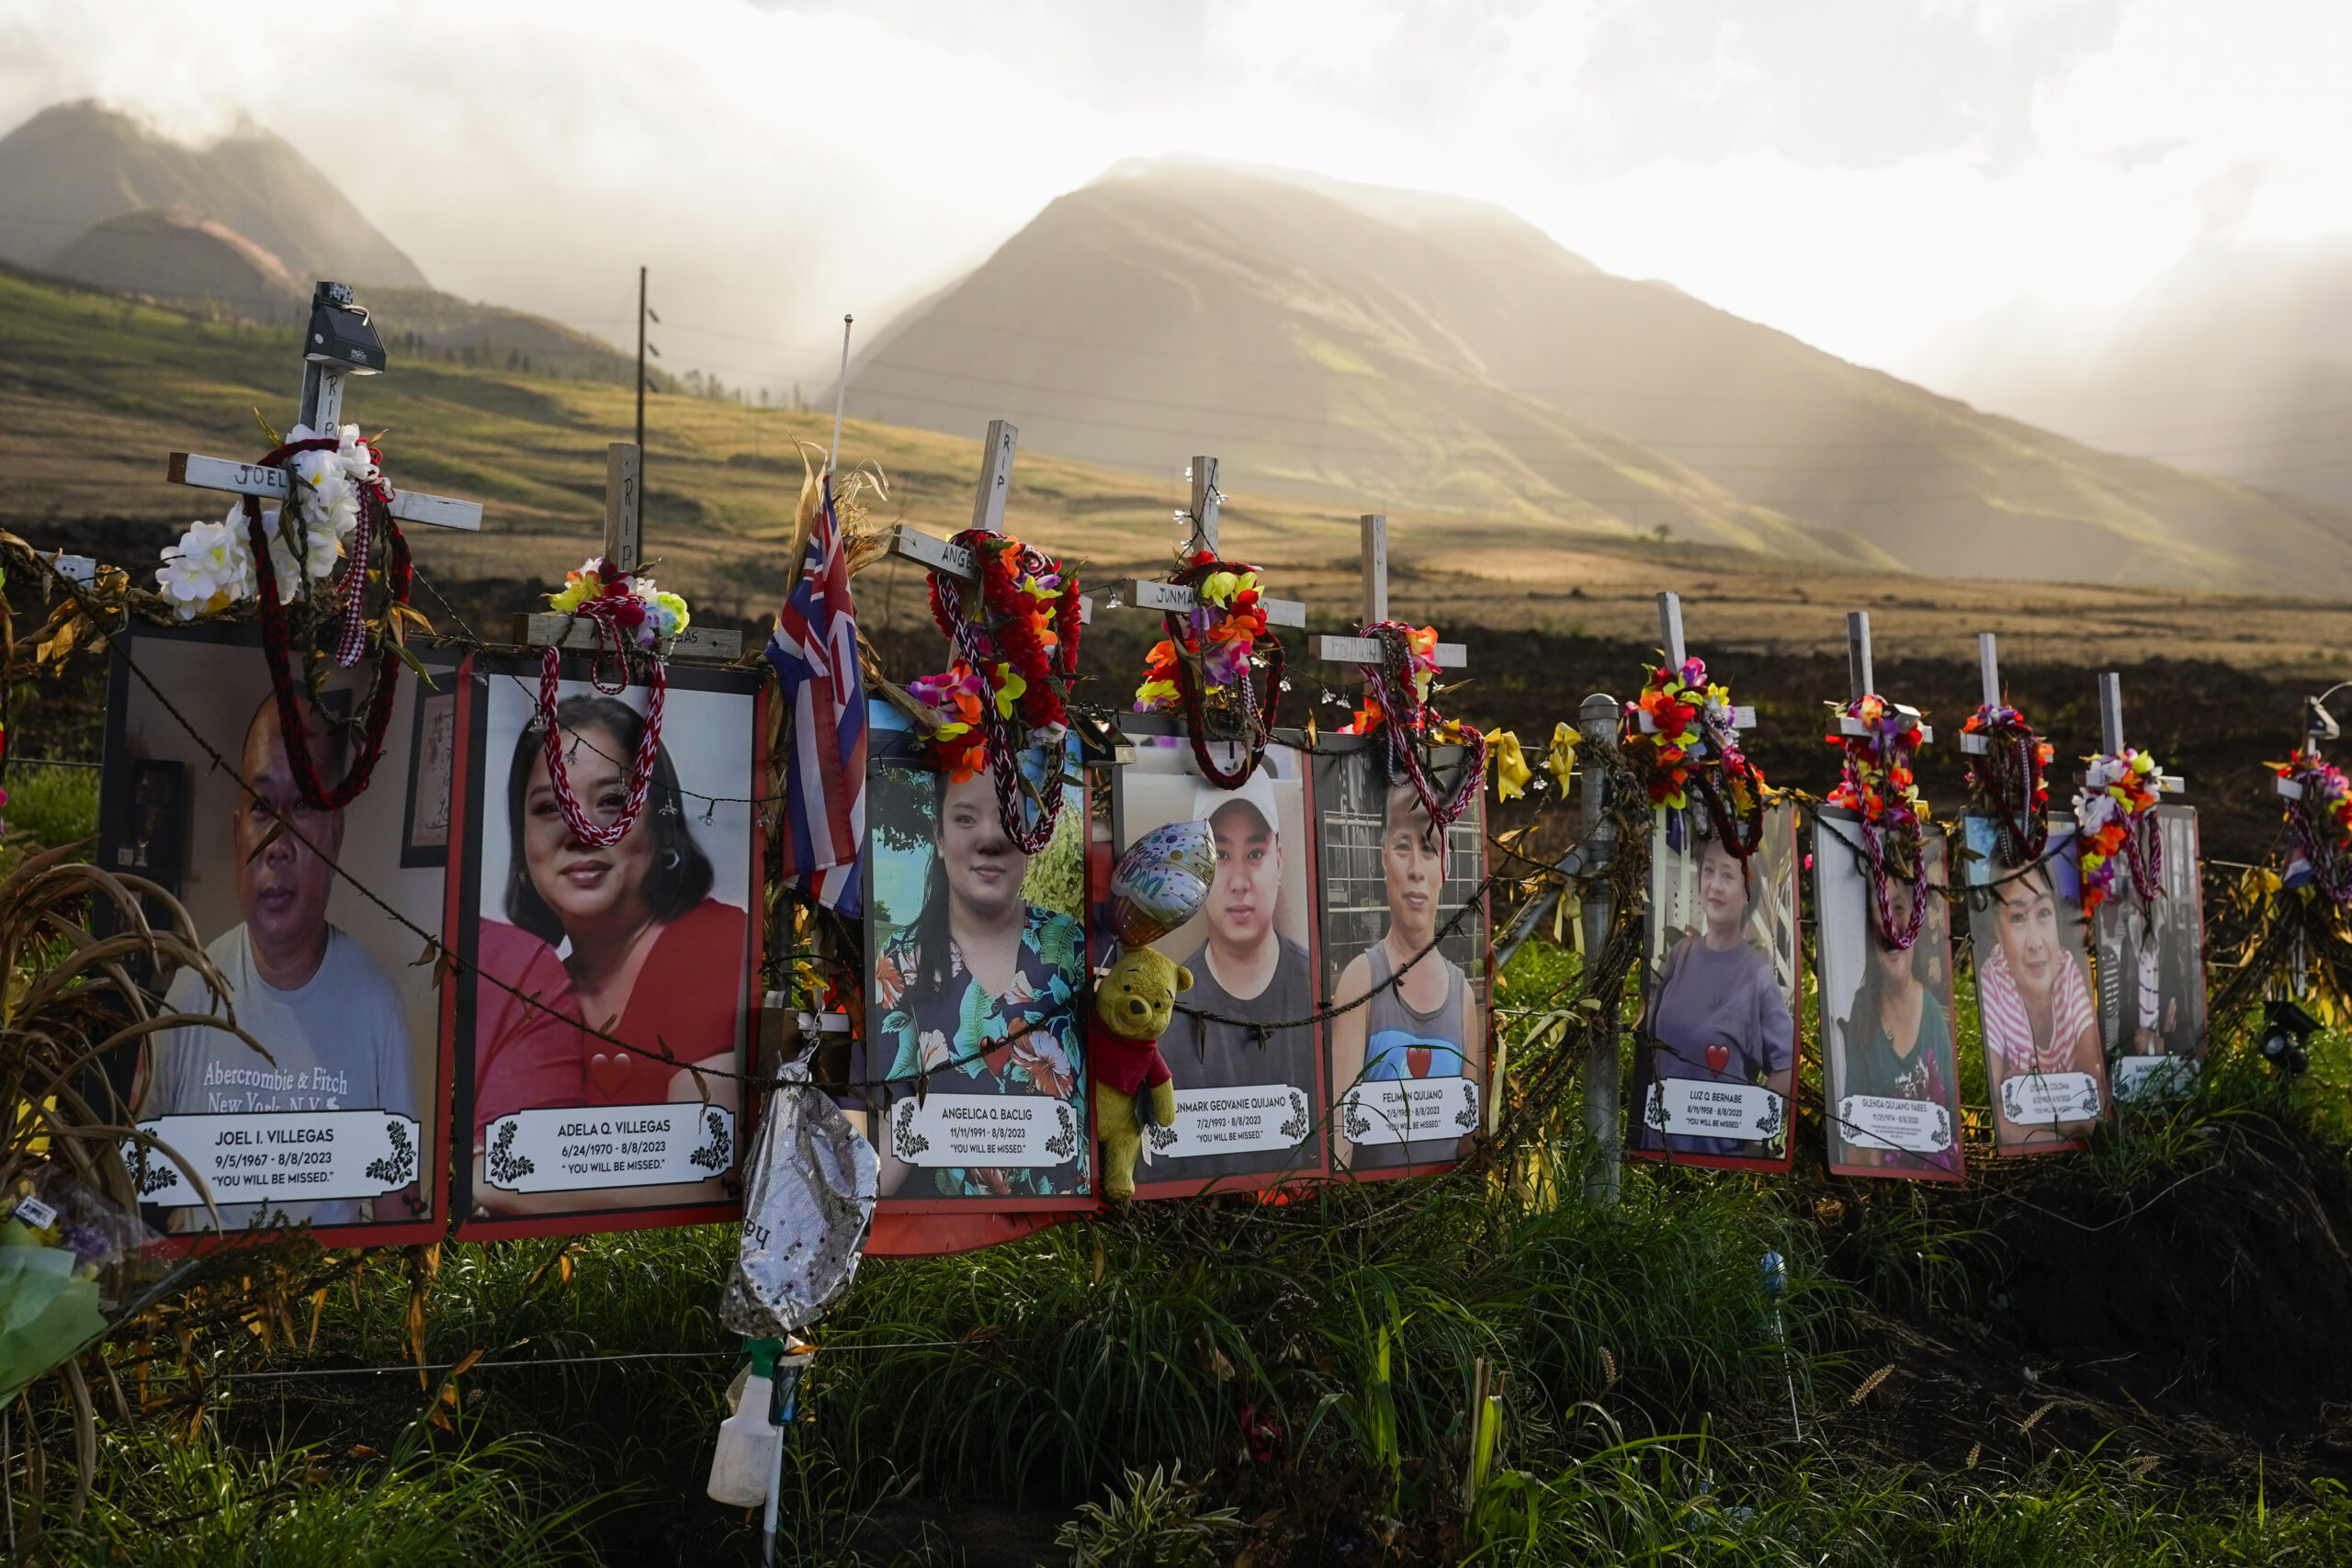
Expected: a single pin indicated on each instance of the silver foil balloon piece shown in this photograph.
(805, 1215)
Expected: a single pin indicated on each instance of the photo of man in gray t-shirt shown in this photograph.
(328, 1015)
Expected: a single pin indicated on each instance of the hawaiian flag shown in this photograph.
(815, 654)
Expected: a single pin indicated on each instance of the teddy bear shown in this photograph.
(1133, 1000)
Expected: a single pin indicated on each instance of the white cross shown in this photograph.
(933, 554)
(623, 547)
(1860, 679)
(1669, 635)
(1988, 678)
(341, 343)
(1372, 531)
(1150, 594)
(2110, 728)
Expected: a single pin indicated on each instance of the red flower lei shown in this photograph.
(1016, 660)
(1694, 744)
(2326, 796)
(616, 613)
(1876, 783)
(2007, 782)
(375, 514)
(1231, 634)
(1395, 701)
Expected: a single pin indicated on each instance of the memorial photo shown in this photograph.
(2152, 970)
(1249, 1106)
(1889, 1045)
(605, 1005)
(1406, 956)
(1718, 1046)
(979, 985)
(2043, 1062)
(334, 1121)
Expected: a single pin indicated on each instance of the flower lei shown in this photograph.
(1000, 696)
(2014, 756)
(2326, 794)
(1396, 699)
(340, 503)
(2116, 810)
(1217, 642)
(624, 609)
(1695, 744)
(1877, 784)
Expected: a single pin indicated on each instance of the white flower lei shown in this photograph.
(212, 566)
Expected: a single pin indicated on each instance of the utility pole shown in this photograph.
(644, 314)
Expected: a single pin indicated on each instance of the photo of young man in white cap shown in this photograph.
(1247, 1102)
(1245, 967)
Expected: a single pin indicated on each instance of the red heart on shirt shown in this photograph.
(606, 1073)
(1417, 1061)
(1718, 1058)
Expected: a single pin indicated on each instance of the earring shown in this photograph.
(673, 861)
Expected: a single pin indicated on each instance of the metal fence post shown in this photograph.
(1601, 1089)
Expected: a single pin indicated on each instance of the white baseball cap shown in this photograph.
(1257, 792)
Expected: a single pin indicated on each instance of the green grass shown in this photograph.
(1643, 1379)
(48, 805)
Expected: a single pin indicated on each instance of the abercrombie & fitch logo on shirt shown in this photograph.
(273, 1088)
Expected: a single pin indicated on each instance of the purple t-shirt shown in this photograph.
(1724, 998)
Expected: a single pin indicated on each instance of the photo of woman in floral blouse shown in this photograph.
(981, 992)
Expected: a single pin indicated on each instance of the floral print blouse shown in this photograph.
(1027, 1041)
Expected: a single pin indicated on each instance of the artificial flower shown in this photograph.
(2118, 798)
(210, 568)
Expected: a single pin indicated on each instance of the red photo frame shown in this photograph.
(588, 1105)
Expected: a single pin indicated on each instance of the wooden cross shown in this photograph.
(1988, 685)
(1150, 594)
(2110, 728)
(1669, 635)
(911, 543)
(2318, 725)
(623, 547)
(1373, 530)
(340, 342)
(1860, 680)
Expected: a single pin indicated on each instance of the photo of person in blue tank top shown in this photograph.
(1409, 1063)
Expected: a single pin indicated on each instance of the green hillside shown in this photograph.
(1449, 355)
(96, 389)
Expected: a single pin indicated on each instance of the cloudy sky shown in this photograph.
(1889, 179)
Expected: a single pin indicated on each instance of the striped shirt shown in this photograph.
(2008, 1027)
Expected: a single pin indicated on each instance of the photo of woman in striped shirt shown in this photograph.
(2036, 1003)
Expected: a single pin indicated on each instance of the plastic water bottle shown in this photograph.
(744, 1466)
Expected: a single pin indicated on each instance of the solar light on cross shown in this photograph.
(339, 343)
(2318, 725)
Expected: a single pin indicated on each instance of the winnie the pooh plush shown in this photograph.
(1134, 1002)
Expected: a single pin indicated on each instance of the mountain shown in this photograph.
(2240, 363)
(1397, 348)
(76, 165)
(179, 255)
(240, 229)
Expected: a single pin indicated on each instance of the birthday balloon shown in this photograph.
(1162, 881)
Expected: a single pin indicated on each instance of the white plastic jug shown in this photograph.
(740, 1469)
